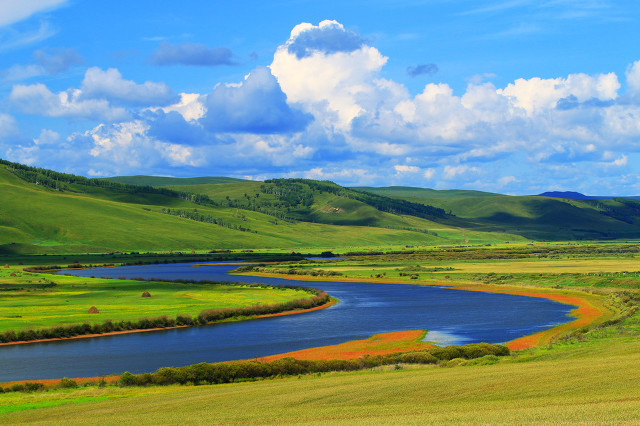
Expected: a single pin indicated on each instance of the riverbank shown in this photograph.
(332, 302)
(591, 309)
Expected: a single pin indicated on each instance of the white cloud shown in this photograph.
(506, 180)
(47, 137)
(38, 99)
(451, 172)
(537, 95)
(8, 125)
(12, 11)
(110, 85)
(633, 79)
(327, 80)
(190, 106)
(402, 168)
(429, 173)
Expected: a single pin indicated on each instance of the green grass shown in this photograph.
(592, 382)
(29, 304)
(589, 376)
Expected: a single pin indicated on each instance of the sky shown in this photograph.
(510, 96)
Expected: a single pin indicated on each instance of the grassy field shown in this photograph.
(28, 301)
(581, 374)
(594, 381)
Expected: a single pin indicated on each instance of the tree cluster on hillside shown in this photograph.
(198, 217)
(300, 191)
(624, 209)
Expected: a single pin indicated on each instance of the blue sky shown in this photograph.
(511, 96)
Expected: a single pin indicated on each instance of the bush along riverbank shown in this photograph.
(229, 372)
(253, 370)
(208, 316)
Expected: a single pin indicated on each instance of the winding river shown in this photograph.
(451, 316)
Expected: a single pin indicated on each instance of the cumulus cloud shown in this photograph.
(111, 86)
(191, 54)
(422, 69)
(38, 99)
(172, 127)
(190, 106)
(537, 95)
(257, 105)
(328, 37)
(328, 82)
(103, 95)
(324, 100)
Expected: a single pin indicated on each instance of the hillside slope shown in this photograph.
(533, 217)
(47, 213)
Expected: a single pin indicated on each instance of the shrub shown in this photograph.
(67, 383)
(127, 379)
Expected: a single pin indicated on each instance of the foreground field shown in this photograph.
(593, 381)
(583, 373)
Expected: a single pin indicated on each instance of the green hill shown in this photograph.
(534, 217)
(42, 211)
(45, 211)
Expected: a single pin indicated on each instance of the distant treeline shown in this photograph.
(229, 372)
(198, 217)
(208, 316)
(62, 181)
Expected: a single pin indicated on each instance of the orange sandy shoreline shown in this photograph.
(586, 312)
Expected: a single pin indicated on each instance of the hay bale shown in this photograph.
(93, 310)
(146, 294)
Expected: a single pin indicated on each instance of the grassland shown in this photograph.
(36, 300)
(594, 381)
(583, 375)
(584, 372)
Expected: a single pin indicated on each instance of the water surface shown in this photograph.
(451, 316)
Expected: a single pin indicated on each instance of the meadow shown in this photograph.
(35, 300)
(593, 380)
(583, 371)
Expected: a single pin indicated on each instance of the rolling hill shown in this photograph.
(534, 217)
(42, 211)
